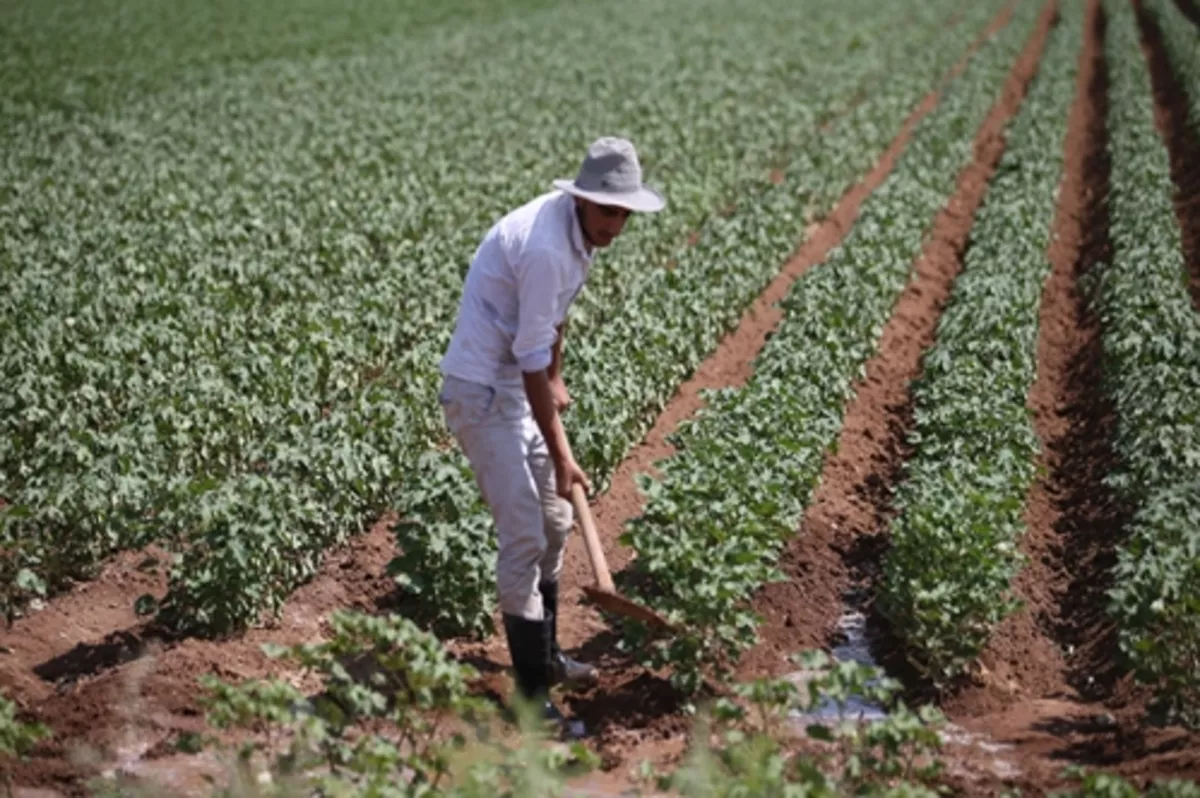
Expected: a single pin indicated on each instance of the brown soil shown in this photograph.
(843, 532)
(820, 565)
(57, 644)
(1183, 143)
(77, 663)
(631, 707)
(1070, 700)
(105, 693)
(1044, 708)
(107, 681)
(1073, 520)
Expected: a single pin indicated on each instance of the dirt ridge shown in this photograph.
(1046, 708)
(83, 631)
(157, 677)
(802, 612)
(630, 705)
(99, 669)
(1073, 521)
(1067, 561)
(836, 554)
(1070, 701)
(110, 632)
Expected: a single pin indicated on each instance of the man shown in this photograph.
(503, 392)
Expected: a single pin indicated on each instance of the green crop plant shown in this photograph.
(955, 540)
(745, 467)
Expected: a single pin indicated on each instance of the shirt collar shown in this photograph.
(576, 230)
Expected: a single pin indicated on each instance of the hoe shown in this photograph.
(604, 593)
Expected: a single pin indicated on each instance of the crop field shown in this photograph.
(899, 398)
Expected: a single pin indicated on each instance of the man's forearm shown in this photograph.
(555, 370)
(541, 400)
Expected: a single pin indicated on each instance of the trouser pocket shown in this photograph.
(465, 403)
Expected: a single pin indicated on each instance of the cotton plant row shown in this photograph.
(621, 377)
(194, 43)
(953, 554)
(745, 468)
(1182, 41)
(239, 304)
(1151, 344)
(199, 596)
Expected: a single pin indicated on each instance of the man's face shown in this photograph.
(601, 223)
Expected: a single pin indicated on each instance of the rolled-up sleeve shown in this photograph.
(539, 280)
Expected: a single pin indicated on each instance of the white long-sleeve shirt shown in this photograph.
(522, 280)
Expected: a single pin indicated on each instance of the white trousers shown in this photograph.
(512, 467)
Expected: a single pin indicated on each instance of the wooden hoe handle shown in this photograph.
(591, 538)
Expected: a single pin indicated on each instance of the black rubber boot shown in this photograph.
(564, 670)
(529, 645)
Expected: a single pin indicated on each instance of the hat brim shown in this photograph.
(644, 200)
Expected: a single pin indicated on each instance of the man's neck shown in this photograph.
(588, 243)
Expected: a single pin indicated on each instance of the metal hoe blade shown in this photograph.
(616, 603)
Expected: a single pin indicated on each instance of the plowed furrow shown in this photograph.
(1182, 140)
(128, 665)
(630, 706)
(1053, 689)
(836, 553)
(1073, 521)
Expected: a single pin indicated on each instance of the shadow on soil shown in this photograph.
(89, 659)
(1100, 741)
(640, 703)
(1092, 520)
